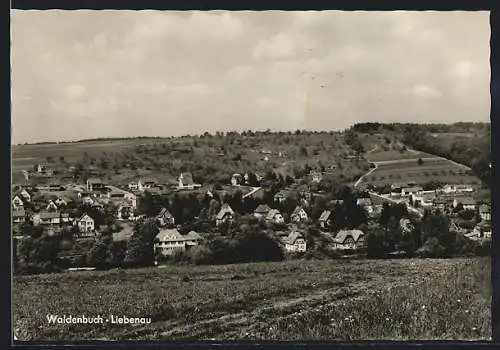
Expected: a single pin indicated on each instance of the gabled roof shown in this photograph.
(192, 235)
(293, 237)
(484, 208)
(95, 180)
(164, 213)
(399, 185)
(325, 215)
(17, 213)
(224, 210)
(364, 201)
(170, 234)
(284, 193)
(466, 201)
(443, 200)
(298, 209)
(272, 213)
(83, 216)
(344, 234)
(25, 191)
(148, 180)
(262, 209)
(51, 214)
(17, 198)
(173, 235)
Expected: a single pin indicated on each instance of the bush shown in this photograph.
(431, 249)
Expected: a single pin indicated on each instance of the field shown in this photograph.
(432, 169)
(380, 156)
(25, 156)
(210, 158)
(293, 300)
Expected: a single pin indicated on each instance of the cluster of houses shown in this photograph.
(184, 182)
(47, 207)
(448, 198)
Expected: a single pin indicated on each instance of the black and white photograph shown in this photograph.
(250, 175)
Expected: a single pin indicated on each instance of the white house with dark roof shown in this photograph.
(349, 239)
(261, 211)
(50, 218)
(85, 223)
(236, 179)
(299, 215)
(165, 218)
(409, 191)
(146, 183)
(468, 203)
(133, 186)
(457, 188)
(485, 212)
(18, 215)
(186, 182)
(17, 202)
(117, 194)
(295, 242)
(95, 184)
(170, 241)
(225, 214)
(274, 216)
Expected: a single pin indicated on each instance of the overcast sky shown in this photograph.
(84, 74)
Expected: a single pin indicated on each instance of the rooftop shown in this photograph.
(325, 215)
(344, 234)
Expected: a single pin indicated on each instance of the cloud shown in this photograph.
(426, 92)
(464, 69)
(280, 46)
(75, 91)
(265, 101)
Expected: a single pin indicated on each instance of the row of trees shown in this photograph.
(188, 208)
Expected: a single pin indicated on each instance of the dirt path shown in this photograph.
(250, 321)
(365, 175)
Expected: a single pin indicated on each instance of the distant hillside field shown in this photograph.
(432, 169)
(210, 158)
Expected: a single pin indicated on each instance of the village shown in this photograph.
(85, 209)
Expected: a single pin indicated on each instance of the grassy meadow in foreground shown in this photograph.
(295, 300)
